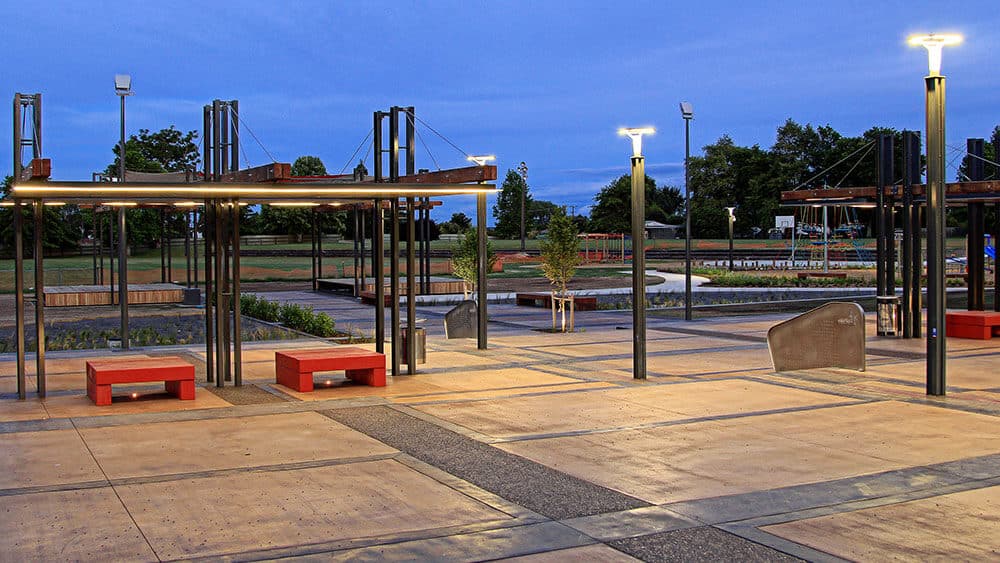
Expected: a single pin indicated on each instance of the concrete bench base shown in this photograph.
(979, 325)
(295, 368)
(177, 375)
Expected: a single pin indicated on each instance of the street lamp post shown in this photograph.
(123, 88)
(687, 112)
(638, 250)
(522, 169)
(732, 220)
(935, 98)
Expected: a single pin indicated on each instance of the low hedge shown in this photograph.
(297, 317)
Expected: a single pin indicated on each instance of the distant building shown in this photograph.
(657, 230)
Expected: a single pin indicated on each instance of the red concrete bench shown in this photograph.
(580, 302)
(294, 368)
(177, 375)
(981, 325)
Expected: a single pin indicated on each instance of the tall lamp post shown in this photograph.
(522, 169)
(123, 88)
(638, 249)
(732, 220)
(935, 96)
(687, 112)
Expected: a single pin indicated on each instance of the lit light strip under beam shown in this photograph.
(91, 191)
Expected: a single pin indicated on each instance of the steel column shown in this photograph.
(687, 232)
(221, 318)
(39, 257)
(312, 240)
(911, 316)
(378, 248)
(411, 287)
(936, 306)
(163, 247)
(209, 234)
(976, 262)
(187, 249)
(481, 266)
(357, 251)
(394, 288)
(19, 296)
(237, 317)
(639, 267)
(882, 236)
(123, 277)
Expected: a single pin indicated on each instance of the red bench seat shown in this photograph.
(177, 375)
(981, 325)
(294, 368)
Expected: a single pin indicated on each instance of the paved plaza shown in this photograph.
(541, 448)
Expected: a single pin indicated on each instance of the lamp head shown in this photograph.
(482, 159)
(732, 212)
(687, 110)
(934, 43)
(123, 85)
(636, 133)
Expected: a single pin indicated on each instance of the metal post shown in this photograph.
(39, 302)
(378, 265)
(121, 146)
(687, 226)
(234, 139)
(221, 316)
(357, 249)
(411, 287)
(216, 144)
(111, 259)
(319, 243)
(170, 258)
(481, 312)
(639, 267)
(93, 243)
(19, 296)
(163, 248)
(237, 317)
(394, 288)
(826, 240)
(936, 352)
(732, 220)
(194, 245)
(911, 235)
(882, 235)
(524, 193)
(312, 240)
(123, 277)
(976, 217)
(208, 216)
(187, 249)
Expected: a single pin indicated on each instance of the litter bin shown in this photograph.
(420, 339)
(887, 319)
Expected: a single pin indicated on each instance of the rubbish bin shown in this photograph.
(887, 319)
(420, 339)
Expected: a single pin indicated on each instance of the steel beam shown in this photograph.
(936, 306)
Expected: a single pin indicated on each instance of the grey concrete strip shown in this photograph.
(247, 395)
(585, 432)
(549, 492)
(456, 428)
(35, 425)
(479, 546)
(710, 333)
(698, 544)
(53, 488)
(631, 523)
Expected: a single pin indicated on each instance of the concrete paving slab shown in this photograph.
(38, 459)
(955, 527)
(84, 525)
(500, 393)
(28, 409)
(337, 387)
(70, 406)
(256, 511)
(596, 553)
(203, 445)
(729, 362)
(705, 459)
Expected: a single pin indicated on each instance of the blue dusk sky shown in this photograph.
(548, 83)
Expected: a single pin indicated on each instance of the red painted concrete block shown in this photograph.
(295, 368)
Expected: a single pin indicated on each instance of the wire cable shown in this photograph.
(249, 130)
(357, 150)
(436, 132)
(834, 165)
(871, 147)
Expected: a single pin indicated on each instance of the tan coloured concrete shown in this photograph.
(596, 553)
(658, 345)
(152, 399)
(451, 360)
(499, 393)
(709, 363)
(341, 388)
(35, 459)
(956, 527)
(201, 445)
(619, 408)
(196, 517)
(749, 454)
(31, 408)
(85, 525)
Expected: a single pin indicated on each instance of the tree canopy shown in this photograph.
(612, 211)
(507, 211)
